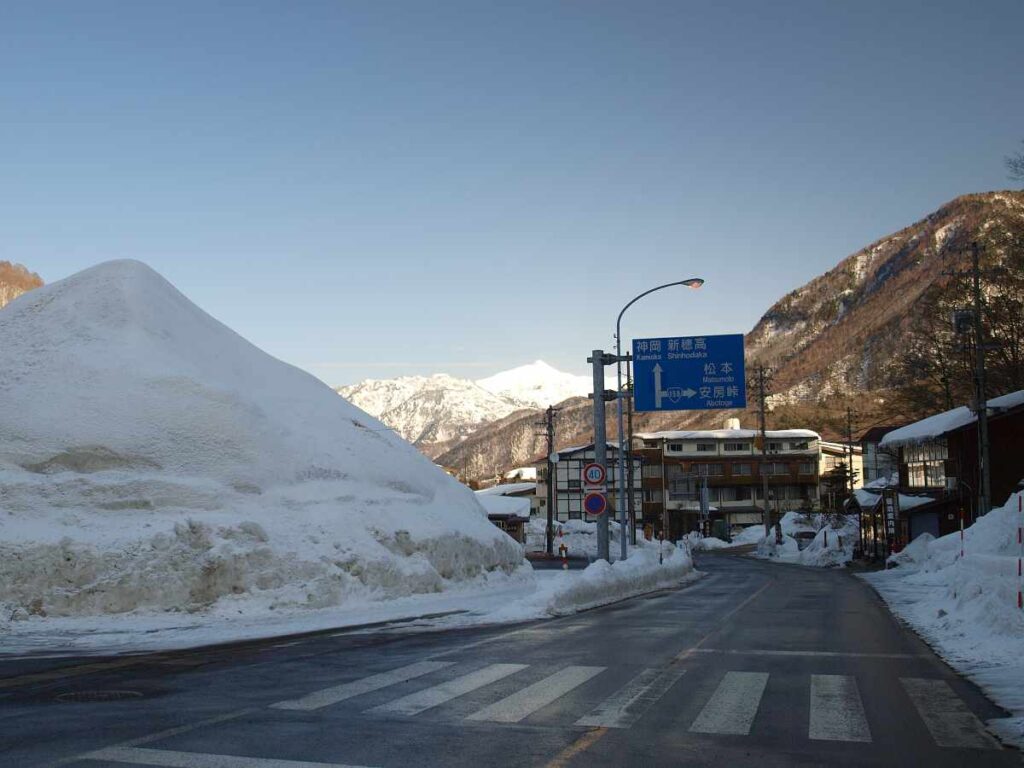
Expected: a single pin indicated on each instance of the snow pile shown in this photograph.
(698, 543)
(567, 592)
(967, 608)
(153, 460)
(832, 545)
(580, 538)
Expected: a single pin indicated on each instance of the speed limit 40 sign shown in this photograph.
(593, 474)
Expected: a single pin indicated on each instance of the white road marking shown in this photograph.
(337, 693)
(423, 700)
(733, 706)
(625, 706)
(171, 759)
(837, 713)
(514, 708)
(949, 721)
(823, 654)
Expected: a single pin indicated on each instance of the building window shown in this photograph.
(800, 446)
(650, 443)
(573, 483)
(675, 447)
(705, 447)
(741, 470)
(775, 447)
(709, 470)
(806, 468)
(652, 470)
(737, 446)
(927, 474)
(926, 464)
(775, 468)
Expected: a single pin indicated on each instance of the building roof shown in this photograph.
(507, 489)
(840, 448)
(868, 499)
(949, 421)
(874, 434)
(725, 434)
(568, 450)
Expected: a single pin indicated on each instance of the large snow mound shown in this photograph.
(832, 545)
(152, 459)
(966, 607)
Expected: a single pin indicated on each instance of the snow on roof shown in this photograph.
(725, 434)
(868, 499)
(612, 446)
(840, 447)
(505, 506)
(946, 422)
(507, 489)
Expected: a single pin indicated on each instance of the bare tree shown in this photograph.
(1015, 165)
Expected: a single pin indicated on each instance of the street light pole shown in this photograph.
(692, 282)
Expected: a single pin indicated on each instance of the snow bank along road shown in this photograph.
(755, 664)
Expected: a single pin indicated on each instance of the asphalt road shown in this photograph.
(756, 664)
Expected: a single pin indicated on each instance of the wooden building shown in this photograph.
(938, 457)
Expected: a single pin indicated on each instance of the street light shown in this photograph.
(691, 282)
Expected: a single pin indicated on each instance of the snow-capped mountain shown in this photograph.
(433, 412)
(536, 385)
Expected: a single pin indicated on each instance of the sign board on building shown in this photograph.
(689, 373)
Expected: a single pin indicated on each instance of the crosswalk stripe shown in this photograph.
(420, 701)
(333, 695)
(948, 719)
(733, 706)
(172, 759)
(514, 708)
(625, 706)
(837, 713)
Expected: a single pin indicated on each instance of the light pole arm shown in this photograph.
(618, 321)
(623, 492)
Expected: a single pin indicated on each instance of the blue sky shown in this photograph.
(371, 189)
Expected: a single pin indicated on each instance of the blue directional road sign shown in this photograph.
(689, 373)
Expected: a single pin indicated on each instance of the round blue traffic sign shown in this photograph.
(595, 504)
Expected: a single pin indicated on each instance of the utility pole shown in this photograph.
(549, 425)
(985, 486)
(762, 384)
(599, 360)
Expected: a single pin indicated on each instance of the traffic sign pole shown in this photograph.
(600, 444)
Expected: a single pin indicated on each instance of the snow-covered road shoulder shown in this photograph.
(601, 583)
(966, 609)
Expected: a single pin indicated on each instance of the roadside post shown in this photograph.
(596, 503)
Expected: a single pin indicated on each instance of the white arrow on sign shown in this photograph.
(672, 393)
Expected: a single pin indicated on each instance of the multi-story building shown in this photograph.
(569, 491)
(736, 469)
